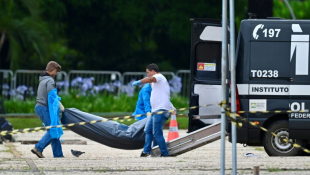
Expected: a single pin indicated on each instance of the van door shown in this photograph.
(205, 66)
(299, 123)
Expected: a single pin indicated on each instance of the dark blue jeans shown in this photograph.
(154, 131)
(44, 115)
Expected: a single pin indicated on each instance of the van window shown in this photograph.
(208, 60)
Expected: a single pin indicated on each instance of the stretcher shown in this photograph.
(192, 140)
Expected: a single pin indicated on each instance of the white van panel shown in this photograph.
(211, 33)
(273, 89)
(243, 89)
(209, 94)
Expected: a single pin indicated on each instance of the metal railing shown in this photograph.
(94, 82)
(128, 77)
(185, 76)
(6, 80)
(168, 75)
(26, 83)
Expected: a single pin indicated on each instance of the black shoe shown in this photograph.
(145, 154)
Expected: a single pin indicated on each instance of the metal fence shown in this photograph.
(185, 76)
(24, 83)
(6, 80)
(85, 82)
(168, 75)
(127, 80)
(129, 77)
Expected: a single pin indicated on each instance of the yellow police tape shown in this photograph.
(239, 124)
(128, 118)
(275, 112)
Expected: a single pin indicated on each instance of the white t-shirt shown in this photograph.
(160, 96)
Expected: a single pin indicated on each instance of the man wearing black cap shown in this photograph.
(47, 86)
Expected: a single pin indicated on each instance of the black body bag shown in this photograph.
(109, 133)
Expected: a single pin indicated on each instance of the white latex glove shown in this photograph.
(61, 107)
(174, 110)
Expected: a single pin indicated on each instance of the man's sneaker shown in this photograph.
(36, 152)
(145, 154)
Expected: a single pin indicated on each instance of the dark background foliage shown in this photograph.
(121, 35)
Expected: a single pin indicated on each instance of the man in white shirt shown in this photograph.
(160, 101)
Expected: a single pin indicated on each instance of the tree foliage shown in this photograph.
(27, 40)
(23, 31)
(122, 35)
(127, 35)
(300, 8)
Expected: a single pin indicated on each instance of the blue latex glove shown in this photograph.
(135, 83)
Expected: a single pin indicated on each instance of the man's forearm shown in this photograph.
(144, 81)
(147, 80)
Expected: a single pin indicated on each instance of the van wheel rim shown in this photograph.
(277, 142)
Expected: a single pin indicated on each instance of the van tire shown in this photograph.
(274, 146)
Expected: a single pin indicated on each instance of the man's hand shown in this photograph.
(135, 83)
(174, 111)
(173, 108)
(61, 107)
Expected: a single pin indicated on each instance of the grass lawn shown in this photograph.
(111, 105)
(21, 123)
(91, 104)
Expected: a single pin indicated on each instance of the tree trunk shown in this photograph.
(2, 39)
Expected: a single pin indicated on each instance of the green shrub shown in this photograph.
(105, 103)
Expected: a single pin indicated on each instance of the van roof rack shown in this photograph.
(274, 18)
(252, 15)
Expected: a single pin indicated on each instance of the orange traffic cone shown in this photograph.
(173, 128)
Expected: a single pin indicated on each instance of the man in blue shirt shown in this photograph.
(143, 104)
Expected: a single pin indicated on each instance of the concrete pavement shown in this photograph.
(16, 158)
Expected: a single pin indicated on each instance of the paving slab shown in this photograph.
(13, 164)
(5, 151)
(100, 159)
